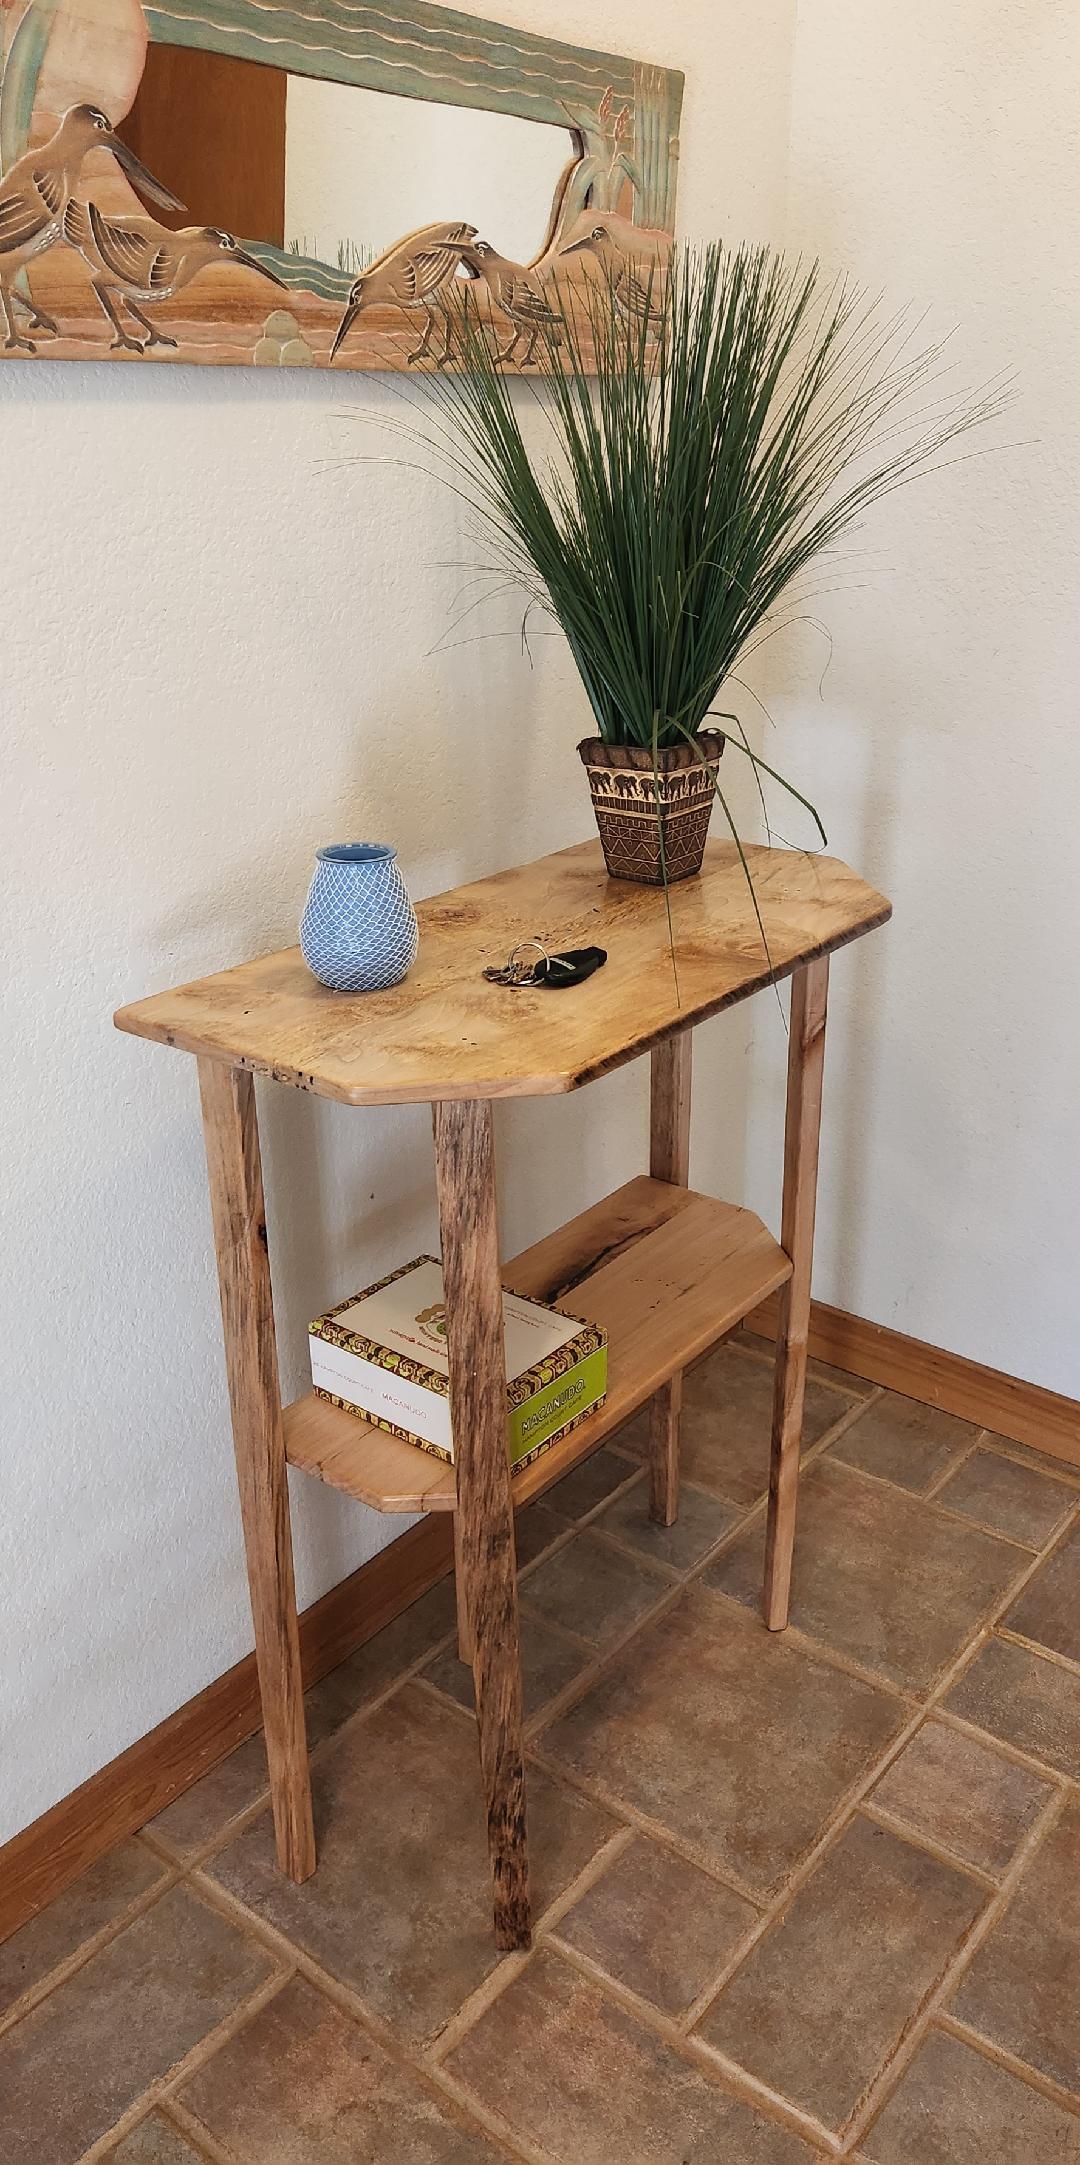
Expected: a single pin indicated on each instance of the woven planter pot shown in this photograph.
(635, 801)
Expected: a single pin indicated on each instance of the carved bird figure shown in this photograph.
(416, 274)
(634, 298)
(518, 293)
(35, 193)
(140, 261)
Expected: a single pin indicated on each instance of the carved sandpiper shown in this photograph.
(518, 293)
(35, 193)
(416, 273)
(141, 261)
(634, 299)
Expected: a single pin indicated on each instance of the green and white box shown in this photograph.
(382, 1355)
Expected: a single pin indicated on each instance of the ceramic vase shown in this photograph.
(358, 932)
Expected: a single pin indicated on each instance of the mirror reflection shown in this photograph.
(337, 174)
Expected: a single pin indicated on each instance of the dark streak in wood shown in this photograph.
(465, 1167)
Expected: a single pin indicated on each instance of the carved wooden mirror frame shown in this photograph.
(87, 271)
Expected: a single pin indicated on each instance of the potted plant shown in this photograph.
(717, 423)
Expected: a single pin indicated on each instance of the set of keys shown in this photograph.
(538, 968)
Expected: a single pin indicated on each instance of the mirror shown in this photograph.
(361, 169)
(237, 181)
(333, 172)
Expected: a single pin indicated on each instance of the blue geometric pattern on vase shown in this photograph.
(358, 932)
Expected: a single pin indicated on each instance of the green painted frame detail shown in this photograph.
(418, 50)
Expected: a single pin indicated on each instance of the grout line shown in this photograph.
(509, 2139)
(670, 1572)
(966, 1518)
(642, 1824)
(495, 1983)
(1056, 1776)
(827, 1834)
(204, 2050)
(404, 2052)
(86, 1950)
(189, 1860)
(998, 2056)
(561, 1631)
(833, 1656)
(960, 1458)
(694, 2051)
(1065, 1470)
(752, 2090)
(1044, 1653)
(888, 2076)
(937, 1510)
(194, 2133)
(602, 1658)
(916, 1839)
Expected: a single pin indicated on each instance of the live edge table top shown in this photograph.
(446, 1033)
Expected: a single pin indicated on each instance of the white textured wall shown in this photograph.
(933, 151)
(217, 654)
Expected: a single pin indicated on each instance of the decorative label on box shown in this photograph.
(382, 1355)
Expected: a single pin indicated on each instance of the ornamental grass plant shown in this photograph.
(702, 448)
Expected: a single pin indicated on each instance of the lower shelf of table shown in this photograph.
(666, 1272)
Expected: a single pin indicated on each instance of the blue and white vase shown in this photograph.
(358, 932)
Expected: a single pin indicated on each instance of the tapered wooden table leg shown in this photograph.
(465, 1167)
(806, 1060)
(247, 1314)
(669, 1159)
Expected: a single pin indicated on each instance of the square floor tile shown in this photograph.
(586, 1485)
(80, 2059)
(963, 1794)
(657, 1925)
(904, 1442)
(81, 1911)
(1012, 1499)
(201, 1812)
(878, 1575)
(375, 1666)
(1048, 1610)
(821, 2002)
(702, 1521)
(301, 2084)
(1023, 1988)
(730, 1736)
(953, 2107)
(1028, 1702)
(548, 1664)
(400, 1906)
(155, 2142)
(535, 1528)
(727, 1423)
(592, 1589)
(577, 2077)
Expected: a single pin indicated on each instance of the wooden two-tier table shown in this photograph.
(667, 1272)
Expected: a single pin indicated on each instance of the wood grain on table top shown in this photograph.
(446, 1033)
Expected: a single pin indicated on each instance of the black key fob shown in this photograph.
(572, 968)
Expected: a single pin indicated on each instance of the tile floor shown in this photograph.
(798, 1897)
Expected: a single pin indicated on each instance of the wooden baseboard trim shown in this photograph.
(39, 1862)
(1024, 1412)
